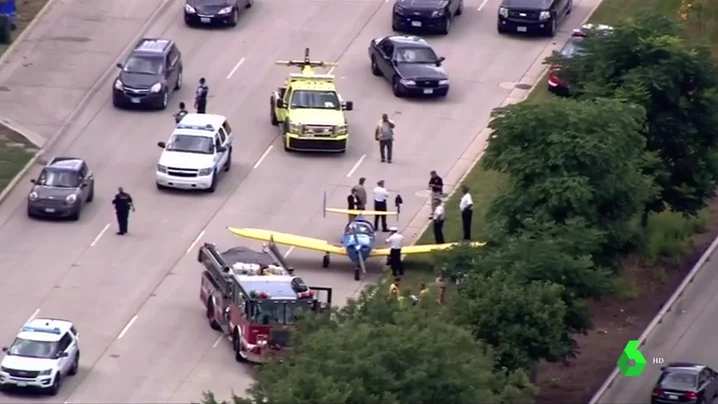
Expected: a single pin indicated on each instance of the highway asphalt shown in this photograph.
(135, 299)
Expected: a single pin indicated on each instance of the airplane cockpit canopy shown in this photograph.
(359, 226)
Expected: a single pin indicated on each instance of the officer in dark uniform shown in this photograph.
(200, 100)
(123, 205)
(181, 113)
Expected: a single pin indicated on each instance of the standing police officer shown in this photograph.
(438, 218)
(123, 205)
(395, 242)
(200, 99)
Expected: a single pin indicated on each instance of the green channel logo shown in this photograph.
(631, 353)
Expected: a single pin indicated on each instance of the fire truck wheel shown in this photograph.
(357, 274)
(210, 315)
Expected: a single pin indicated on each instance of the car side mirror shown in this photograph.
(63, 355)
(280, 103)
(34, 181)
(119, 65)
(161, 144)
(349, 106)
(83, 185)
(221, 149)
(5, 349)
(394, 62)
(440, 61)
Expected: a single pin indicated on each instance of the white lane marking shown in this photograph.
(221, 337)
(99, 236)
(358, 163)
(263, 156)
(32, 317)
(127, 327)
(191, 246)
(331, 70)
(234, 69)
(289, 251)
(483, 3)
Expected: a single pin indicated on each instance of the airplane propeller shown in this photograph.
(357, 246)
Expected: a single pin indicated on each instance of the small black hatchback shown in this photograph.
(685, 383)
(532, 16)
(151, 72)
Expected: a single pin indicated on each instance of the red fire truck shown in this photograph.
(254, 298)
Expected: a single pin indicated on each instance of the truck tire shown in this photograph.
(210, 315)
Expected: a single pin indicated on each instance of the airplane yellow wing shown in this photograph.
(360, 212)
(306, 243)
(421, 249)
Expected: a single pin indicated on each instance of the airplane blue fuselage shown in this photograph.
(360, 240)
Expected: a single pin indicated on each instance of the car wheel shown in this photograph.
(160, 186)
(237, 345)
(393, 26)
(250, 3)
(551, 30)
(234, 18)
(116, 103)
(228, 164)
(29, 213)
(76, 215)
(210, 316)
(178, 85)
(374, 68)
(91, 196)
(447, 26)
(56, 384)
(396, 87)
(213, 185)
(75, 365)
(165, 100)
(460, 10)
(500, 28)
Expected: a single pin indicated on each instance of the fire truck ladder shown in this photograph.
(271, 249)
(307, 65)
(217, 268)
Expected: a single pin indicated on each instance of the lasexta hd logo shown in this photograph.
(631, 362)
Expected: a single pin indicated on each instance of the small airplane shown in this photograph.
(358, 240)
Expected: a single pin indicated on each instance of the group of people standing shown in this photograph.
(438, 209)
(200, 101)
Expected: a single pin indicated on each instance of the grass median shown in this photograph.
(673, 243)
(15, 150)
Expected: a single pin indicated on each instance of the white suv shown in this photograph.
(198, 150)
(45, 350)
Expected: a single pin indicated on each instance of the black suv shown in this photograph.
(214, 11)
(535, 16)
(151, 72)
(62, 189)
(425, 15)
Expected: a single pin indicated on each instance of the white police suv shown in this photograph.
(45, 350)
(198, 150)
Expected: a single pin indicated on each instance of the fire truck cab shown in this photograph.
(254, 298)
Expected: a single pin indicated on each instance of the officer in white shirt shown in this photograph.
(395, 242)
(381, 195)
(466, 206)
(438, 217)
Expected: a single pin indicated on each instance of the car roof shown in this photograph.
(199, 124)
(66, 163)
(152, 46)
(687, 367)
(408, 40)
(45, 329)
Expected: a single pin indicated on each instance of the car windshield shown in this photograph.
(191, 144)
(680, 381)
(415, 55)
(33, 349)
(143, 65)
(270, 312)
(572, 48)
(58, 179)
(315, 99)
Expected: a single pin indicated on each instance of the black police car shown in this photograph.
(151, 72)
(685, 383)
(532, 16)
(214, 11)
(410, 64)
(62, 189)
(425, 15)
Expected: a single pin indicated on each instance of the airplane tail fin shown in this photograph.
(359, 212)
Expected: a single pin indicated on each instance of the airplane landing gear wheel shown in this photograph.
(357, 274)
(325, 261)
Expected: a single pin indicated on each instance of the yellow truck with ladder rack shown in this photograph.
(308, 109)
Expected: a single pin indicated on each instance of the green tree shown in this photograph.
(414, 356)
(523, 321)
(645, 61)
(571, 159)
